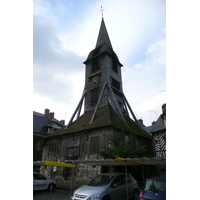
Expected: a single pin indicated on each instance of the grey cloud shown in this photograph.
(53, 66)
(48, 49)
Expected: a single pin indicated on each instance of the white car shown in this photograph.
(40, 182)
(108, 186)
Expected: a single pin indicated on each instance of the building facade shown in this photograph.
(43, 125)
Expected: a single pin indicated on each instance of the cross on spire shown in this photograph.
(101, 11)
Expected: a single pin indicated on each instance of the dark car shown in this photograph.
(155, 188)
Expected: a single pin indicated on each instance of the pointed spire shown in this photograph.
(103, 36)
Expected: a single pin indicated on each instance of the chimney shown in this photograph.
(62, 122)
(51, 115)
(164, 108)
(141, 120)
(46, 113)
(153, 123)
(163, 116)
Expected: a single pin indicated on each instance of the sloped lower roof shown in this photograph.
(102, 49)
(104, 117)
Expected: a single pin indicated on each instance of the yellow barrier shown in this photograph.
(59, 164)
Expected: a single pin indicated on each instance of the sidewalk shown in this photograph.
(57, 194)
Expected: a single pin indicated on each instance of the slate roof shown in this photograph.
(38, 114)
(103, 44)
(103, 36)
(147, 129)
(56, 121)
(105, 117)
(39, 122)
(159, 125)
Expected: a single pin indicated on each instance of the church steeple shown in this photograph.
(103, 83)
(103, 80)
(103, 36)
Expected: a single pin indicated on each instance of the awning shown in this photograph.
(52, 163)
(121, 161)
(105, 162)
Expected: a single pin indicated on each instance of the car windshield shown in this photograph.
(155, 185)
(100, 180)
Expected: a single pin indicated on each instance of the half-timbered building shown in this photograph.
(158, 132)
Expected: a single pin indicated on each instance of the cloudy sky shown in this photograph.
(64, 32)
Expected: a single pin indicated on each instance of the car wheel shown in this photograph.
(106, 198)
(135, 195)
(51, 185)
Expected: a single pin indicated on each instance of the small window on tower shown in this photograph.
(95, 64)
(120, 104)
(115, 83)
(94, 96)
(114, 67)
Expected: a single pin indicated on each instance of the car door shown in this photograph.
(129, 186)
(39, 182)
(117, 188)
(126, 186)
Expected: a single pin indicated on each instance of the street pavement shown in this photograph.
(56, 194)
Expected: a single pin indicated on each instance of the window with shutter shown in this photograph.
(94, 145)
(52, 149)
(72, 153)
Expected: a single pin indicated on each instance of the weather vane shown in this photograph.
(101, 11)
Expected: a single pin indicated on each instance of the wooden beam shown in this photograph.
(78, 107)
(99, 100)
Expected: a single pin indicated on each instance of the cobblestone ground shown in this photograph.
(57, 194)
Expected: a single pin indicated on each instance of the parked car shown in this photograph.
(155, 188)
(40, 182)
(108, 186)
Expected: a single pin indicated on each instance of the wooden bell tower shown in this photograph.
(103, 80)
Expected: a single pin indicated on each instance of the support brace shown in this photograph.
(77, 108)
(136, 121)
(97, 106)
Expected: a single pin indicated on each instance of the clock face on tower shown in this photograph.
(95, 81)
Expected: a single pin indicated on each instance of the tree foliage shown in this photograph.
(122, 146)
